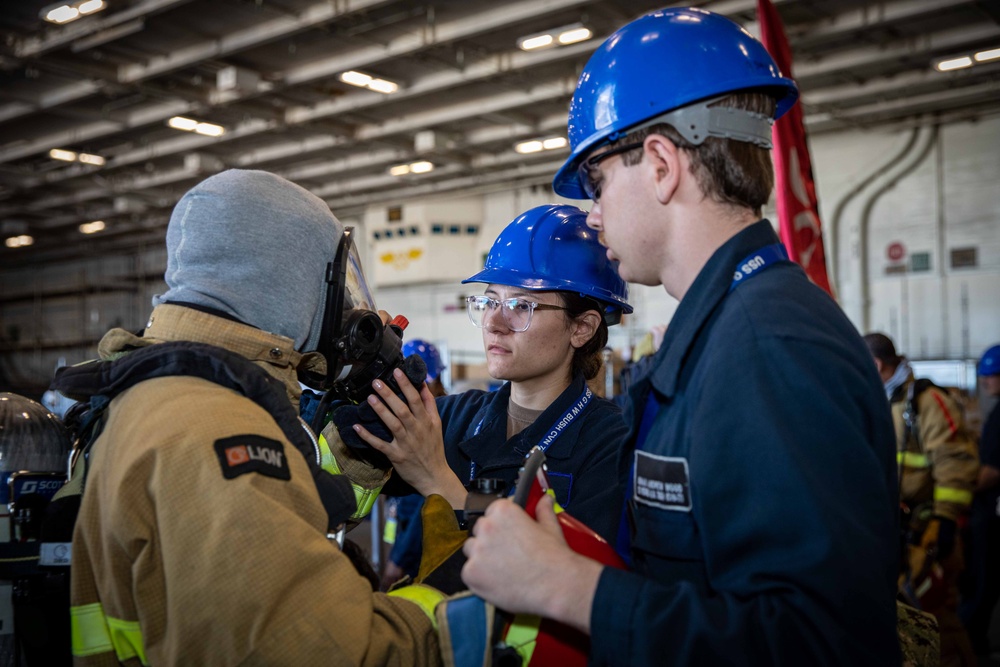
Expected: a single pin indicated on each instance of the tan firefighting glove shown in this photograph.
(441, 556)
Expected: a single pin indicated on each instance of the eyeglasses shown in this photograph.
(591, 185)
(516, 312)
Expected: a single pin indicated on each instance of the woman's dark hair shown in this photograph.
(589, 357)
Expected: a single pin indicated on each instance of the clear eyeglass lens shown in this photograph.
(591, 186)
(516, 313)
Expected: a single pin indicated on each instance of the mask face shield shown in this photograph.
(357, 345)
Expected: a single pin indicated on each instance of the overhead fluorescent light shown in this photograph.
(568, 34)
(64, 12)
(533, 146)
(420, 167)
(192, 125)
(87, 158)
(362, 80)
(19, 241)
(535, 42)
(984, 56)
(92, 227)
(90, 6)
(383, 86)
(574, 34)
(954, 63)
(356, 78)
(182, 123)
(61, 14)
(536, 145)
(209, 129)
(60, 154)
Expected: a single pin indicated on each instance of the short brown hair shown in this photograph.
(728, 171)
(882, 349)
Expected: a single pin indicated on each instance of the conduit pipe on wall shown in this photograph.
(866, 306)
(838, 211)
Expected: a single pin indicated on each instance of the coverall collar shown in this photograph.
(701, 300)
(274, 353)
(483, 447)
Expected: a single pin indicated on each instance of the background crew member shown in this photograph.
(551, 294)
(938, 466)
(761, 494)
(202, 535)
(983, 562)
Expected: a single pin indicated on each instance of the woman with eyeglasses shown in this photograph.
(551, 292)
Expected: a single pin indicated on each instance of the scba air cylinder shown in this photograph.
(34, 454)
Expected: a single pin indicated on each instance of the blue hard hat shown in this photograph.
(660, 62)
(989, 364)
(551, 247)
(429, 353)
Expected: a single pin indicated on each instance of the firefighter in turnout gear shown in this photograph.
(206, 530)
(938, 467)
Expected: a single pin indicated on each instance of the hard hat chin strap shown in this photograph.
(700, 121)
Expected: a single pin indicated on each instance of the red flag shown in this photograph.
(795, 191)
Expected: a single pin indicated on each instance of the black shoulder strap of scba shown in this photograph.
(102, 381)
(911, 410)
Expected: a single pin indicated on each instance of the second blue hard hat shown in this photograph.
(989, 363)
(429, 353)
(551, 247)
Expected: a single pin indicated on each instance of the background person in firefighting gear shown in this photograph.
(549, 295)
(981, 585)
(202, 539)
(938, 466)
(761, 504)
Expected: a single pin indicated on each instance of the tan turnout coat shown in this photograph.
(216, 571)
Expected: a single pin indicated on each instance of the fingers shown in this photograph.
(376, 442)
(545, 514)
(430, 403)
(409, 391)
(389, 415)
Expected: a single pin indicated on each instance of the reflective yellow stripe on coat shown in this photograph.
(913, 460)
(364, 497)
(92, 632)
(951, 495)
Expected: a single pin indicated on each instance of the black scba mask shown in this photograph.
(357, 346)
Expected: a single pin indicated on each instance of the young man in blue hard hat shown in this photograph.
(982, 588)
(761, 504)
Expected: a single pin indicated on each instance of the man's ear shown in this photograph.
(584, 326)
(666, 162)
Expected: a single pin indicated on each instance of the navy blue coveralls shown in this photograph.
(582, 460)
(982, 576)
(763, 506)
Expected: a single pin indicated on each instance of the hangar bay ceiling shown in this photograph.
(106, 120)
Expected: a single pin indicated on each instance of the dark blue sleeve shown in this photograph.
(794, 519)
(406, 550)
(989, 443)
(597, 494)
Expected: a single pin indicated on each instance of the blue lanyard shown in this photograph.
(751, 265)
(550, 436)
(756, 262)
